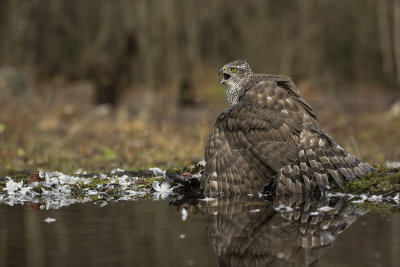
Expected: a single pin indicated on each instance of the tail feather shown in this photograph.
(339, 164)
(320, 175)
(318, 166)
(328, 167)
(346, 167)
(306, 171)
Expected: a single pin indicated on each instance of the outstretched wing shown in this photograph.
(273, 132)
(253, 140)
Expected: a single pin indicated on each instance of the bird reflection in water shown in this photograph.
(250, 231)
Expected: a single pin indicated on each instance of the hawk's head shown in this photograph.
(234, 75)
(234, 71)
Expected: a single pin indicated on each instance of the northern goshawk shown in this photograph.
(271, 134)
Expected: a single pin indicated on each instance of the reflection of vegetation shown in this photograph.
(379, 182)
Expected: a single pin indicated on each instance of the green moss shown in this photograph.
(382, 208)
(38, 189)
(381, 181)
(147, 182)
(2, 184)
(94, 198)
(94, 182)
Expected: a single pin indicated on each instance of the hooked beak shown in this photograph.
(225, 76)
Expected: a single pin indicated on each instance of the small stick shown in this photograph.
(391, 192)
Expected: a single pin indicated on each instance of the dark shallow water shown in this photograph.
(153, 233)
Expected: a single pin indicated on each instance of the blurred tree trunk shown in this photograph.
(287, 47)
(176, 39)
(290, 38)
(396, 36)
(384, 37)
(311, 45)
(189, 51)
(112, 76)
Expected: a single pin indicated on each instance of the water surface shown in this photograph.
(234, 232)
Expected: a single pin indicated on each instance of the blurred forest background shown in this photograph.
(131, 84)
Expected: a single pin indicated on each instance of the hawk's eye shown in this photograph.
(233, 69)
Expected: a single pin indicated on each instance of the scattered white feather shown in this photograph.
(392, 164)
(12, 186)
(325, 208)
(163, 187)
(79, 171)
(208, 199)
(198, 175)
(92, 192)
(255, 210)
(184, 214)
(103, 204)
(49, 220)
(158, 172)
(182, 236)
(375, 198)
(361, 200)
(56, 191)
(162, 190)
(327, 238)
(117, 170)
(66, 179)
(397, 199)
(34, 185)
(284, 208)
(280, 255)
